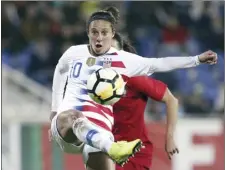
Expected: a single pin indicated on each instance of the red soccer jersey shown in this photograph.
(129, 121)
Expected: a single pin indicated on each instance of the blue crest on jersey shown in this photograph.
(99, 63)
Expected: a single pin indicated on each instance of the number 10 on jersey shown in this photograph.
(75, 70)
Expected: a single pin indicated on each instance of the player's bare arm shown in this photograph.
(172, 110)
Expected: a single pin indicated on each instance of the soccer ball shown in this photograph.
(105, 86)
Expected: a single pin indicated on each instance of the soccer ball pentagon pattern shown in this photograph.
(105, 86)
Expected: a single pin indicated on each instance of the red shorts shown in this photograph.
(132, 166)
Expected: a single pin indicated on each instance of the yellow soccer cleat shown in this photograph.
(120, 152)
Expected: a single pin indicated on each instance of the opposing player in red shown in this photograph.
(129, 111)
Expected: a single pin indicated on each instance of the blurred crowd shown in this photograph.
(35, 34)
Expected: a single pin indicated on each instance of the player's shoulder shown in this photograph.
(123, 53)
(75, 52)
(77, 49)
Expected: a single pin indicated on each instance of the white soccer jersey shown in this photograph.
(77, 64)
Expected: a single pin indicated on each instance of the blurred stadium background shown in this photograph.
(34, 36)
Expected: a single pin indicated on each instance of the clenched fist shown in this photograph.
(208, 57)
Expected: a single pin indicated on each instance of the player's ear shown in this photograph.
(113, 34)
(87, 30)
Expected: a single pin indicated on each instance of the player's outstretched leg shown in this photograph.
(73, 126)
(99, 161)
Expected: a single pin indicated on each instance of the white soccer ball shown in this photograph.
(105, 86)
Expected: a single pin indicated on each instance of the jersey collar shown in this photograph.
(112, 51)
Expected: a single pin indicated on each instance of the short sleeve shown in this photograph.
(152, 88)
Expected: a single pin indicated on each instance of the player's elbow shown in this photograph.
(169, 98)
(174, 101)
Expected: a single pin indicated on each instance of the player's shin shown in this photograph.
(92, 135)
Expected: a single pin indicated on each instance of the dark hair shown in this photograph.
(114, 11)
(124, 44)
(119, 39)
(110, 14)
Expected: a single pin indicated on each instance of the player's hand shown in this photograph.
(49, 135)
(170, 147)
(208, 57)
(49, 131)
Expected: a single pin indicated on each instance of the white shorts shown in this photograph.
(73, 148)
(66, 147)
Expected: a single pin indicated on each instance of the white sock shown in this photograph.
(92, 135)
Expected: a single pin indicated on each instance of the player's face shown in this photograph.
(100, 36)
(115, 44)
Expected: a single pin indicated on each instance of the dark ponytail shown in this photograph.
(114, 11)
(128, 47)
(124, 44)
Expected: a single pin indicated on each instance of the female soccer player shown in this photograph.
(80, 120)
(129, 112)
(80, 123)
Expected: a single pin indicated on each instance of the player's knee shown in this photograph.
(99, 161)
(65, 121)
